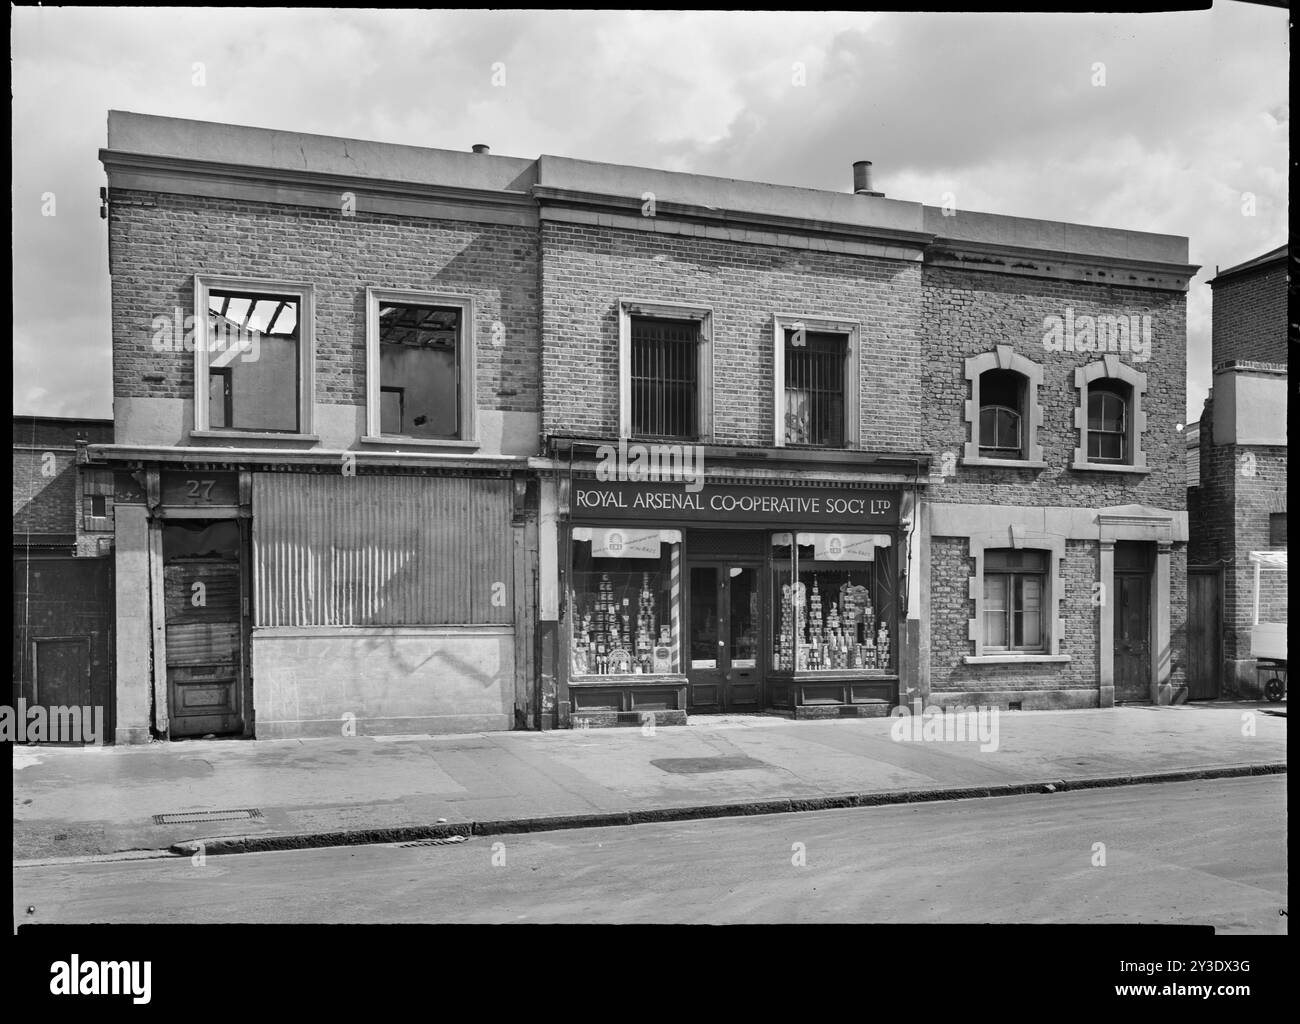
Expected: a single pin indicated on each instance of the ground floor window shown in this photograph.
(624, 601)
(833, 602)
(1014, 583)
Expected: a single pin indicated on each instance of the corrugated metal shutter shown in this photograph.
(381, 551)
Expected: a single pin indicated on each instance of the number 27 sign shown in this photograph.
(200, 489)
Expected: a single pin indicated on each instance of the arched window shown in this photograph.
(1108, 421)
(1001, 423)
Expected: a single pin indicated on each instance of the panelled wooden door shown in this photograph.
(204, 597)
(724, 637)
(1132, 637)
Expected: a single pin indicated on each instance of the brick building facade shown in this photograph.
(713, 445)
(1239, 505)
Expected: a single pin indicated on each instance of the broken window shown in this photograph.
(253, 361)
(420, 352)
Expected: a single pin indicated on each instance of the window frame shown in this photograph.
(1008, 576)
(1016, 536)
(1125, 433)
(467, 358)
(630, 309)
(852, 330)
(1004, 357)
(204, 285)
(1110, 367)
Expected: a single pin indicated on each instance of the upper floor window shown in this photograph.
(815, 364)
(814, 387)
(1014, 586)
(1002, 396)
(1108, 421)
(1002, 414)
(1109, 417)
(1277, 529)
(253, 356)
(665, 378)
(665, 371)
(419, 349)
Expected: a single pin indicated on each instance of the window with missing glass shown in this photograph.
(815, 380)
(420, 361)
(834, 606)
(1015, 582)
(665, 377)
(254, 360)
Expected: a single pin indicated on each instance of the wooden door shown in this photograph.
(1204, 635)
(203, 592)
(1132, 637)
(724, 638)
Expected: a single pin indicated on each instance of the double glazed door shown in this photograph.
(724, 637)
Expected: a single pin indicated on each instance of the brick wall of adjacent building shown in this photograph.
(48, 494)
(158, 242)
(1249, 316)
(1242, 485)
(587, 270)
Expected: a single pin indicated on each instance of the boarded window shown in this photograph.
(381, 551)
(420, 348)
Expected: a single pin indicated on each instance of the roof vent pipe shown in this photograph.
(862, 179)
(481, 148)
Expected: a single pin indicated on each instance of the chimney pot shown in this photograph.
(862, 179)
(480, 147)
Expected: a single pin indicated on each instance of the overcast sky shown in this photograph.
(1000, 110)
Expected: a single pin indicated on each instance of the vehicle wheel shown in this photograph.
(1273, 690)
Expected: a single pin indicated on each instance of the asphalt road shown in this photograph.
(1211, 852)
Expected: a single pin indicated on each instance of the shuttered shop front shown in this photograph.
(381, 550)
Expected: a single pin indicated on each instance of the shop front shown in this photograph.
(731, 597)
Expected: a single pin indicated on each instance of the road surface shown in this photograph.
(1211, 852)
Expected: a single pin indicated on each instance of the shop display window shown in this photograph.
(833, 603)
(623, 619)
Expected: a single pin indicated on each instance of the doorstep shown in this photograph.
(864, 709)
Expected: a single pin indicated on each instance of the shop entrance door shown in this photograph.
(724, 636)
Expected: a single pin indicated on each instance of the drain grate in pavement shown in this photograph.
(699, 765)
(444, 841)
(200, 817)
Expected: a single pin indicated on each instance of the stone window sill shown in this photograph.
(251, 435)
(395, 441)
(1006, 463)
(1102, 467)
(1016, 659)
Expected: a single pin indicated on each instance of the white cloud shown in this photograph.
(999, 109)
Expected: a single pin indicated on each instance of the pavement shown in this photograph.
(95, 802)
